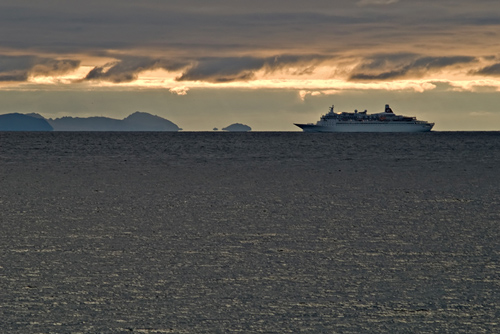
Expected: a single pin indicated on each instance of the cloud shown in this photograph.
(72, 26)
(128, 68)
(223, 69)
(233, 42)
(179, 90)
(493, 70)
(404, 65)
(304, 93)
(48, 67)
(21, 68)
(229, 69)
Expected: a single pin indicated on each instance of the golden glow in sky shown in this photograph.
(322, 79)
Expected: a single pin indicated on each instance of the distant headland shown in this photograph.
(138, 121)
(21, 122)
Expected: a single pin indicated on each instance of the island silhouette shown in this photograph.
(237, 127)
(138, 121)
(21, 122)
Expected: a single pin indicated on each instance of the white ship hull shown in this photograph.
(385, 121)
(367, 127)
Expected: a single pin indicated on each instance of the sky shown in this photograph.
(268, 64)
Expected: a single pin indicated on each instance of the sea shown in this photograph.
(257, 232)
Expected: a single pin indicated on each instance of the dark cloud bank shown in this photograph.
(395, 66)
(128, 68)
(493, 70)
(223, 41)
(20, 68)
(244, 68)
(378, 67)
(211, 69)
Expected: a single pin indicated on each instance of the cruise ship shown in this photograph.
(385, 121)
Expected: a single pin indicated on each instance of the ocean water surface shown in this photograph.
(249, 232)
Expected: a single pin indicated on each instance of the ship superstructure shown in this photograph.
(385, 121)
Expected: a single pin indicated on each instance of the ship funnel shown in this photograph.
(388, 109)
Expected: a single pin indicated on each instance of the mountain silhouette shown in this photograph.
(237, 127)
(35, 115)
(21, 122)
(138, 121)
(141, 121)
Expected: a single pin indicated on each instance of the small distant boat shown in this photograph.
(385, 121)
